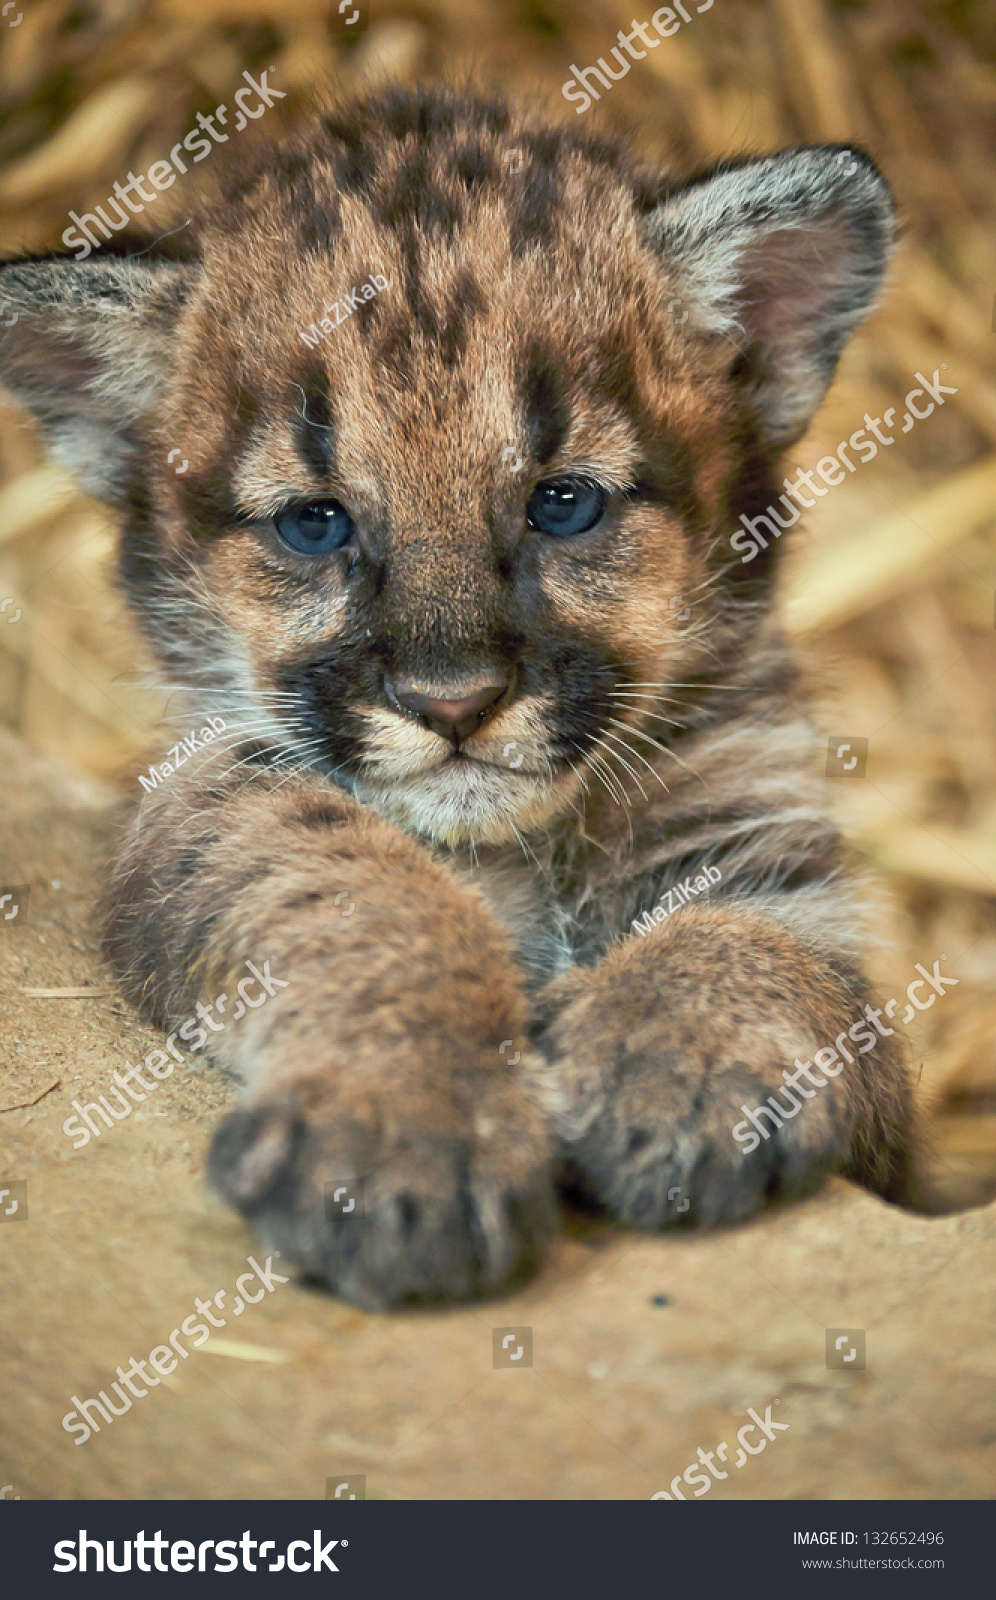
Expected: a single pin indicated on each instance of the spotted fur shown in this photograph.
(484, 1016)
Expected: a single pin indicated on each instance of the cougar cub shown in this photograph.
(514, 790)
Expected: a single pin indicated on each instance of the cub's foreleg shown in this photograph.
(665, 1047)
(382, 1060)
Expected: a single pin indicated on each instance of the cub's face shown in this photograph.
(450, 547)
(449, 533)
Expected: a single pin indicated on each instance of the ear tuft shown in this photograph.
(87, 347)
(783, 256)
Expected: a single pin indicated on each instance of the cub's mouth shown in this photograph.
(485, 725)
(476, 773)
(466, 799)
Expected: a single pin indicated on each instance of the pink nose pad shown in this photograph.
(451, 718)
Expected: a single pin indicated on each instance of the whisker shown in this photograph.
(639, 734)
(655, 695)
(595, 772)
(579, 775)
(719, 688)
(525, 849)
(637, 754)
(600, 766)
(228, 689)
(641, 710)
(622, 760)
(655, 716)
(261, 733)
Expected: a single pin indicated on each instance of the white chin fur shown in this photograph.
(460, 802)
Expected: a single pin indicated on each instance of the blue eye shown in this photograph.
(315, 529)
(565, 506)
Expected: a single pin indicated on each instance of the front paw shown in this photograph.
(654, 1085)
(440, 1197)
(661, 1151)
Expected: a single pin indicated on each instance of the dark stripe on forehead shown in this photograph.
(466, 302)
(667, 474)
(208, 497)
(417, 197)
(422, 112)
(394, 354)
(354, 165)
(614, 375)
(473, 166)
(423, 313)
(314, 432)
(317, 225)
(537, 194)
(369, 312)
(543, 392)
(414, 205)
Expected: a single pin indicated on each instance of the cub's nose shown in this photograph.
(453, 719)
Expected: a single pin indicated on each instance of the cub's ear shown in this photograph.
(87, 347)
(784, 256)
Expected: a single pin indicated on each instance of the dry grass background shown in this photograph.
(890, 589)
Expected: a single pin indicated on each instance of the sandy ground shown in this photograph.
(644, 1349)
